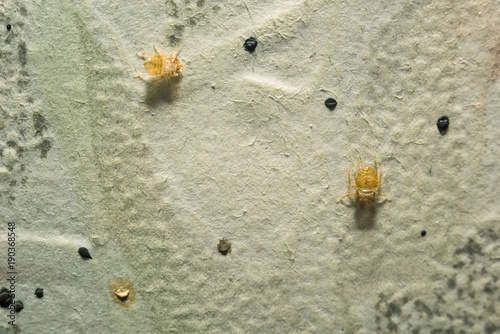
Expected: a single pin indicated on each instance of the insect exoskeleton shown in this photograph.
(367, 180)
(158, 65)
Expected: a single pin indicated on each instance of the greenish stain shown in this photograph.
(44, 147)
(39, 123)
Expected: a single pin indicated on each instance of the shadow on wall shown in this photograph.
(164, 90)
(365, 216)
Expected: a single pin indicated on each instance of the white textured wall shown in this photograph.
(149, 177)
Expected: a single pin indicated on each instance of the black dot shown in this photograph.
(39, 292)
(5, 297)
(9, 26)
(18, 306)
(330, 103)
(442, 124)
(250, 44)
(423, 233)
(84, 252)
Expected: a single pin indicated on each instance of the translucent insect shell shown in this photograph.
(367, 183)
(159, 65)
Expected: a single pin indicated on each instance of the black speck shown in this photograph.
(330, 103)
(18, 306)
(84, 252)
(9, 26)
(423, 233)
(442, 124)
(39, 292)
(250, 44)
(5, 298)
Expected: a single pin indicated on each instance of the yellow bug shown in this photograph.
(159, 65)
(367, 182)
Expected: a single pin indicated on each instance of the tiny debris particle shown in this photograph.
(84, 252)
(122, 293)
(330, 103)
(9, 26)
(39, 292)
(250, 44)
(442, 123)
(18, 306)
(423, 233)
(5, 297)
(224, 246)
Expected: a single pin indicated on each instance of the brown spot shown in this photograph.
(122, 291)
(224, 246)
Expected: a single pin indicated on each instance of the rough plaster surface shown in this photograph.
(149, 177)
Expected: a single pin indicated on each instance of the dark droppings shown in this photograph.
(250, 44)
(18, 306)
(442, 123)
(5, 298)
(39, 292)
(330, 103)
(84, 252)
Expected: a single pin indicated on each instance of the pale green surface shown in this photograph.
(149, 177)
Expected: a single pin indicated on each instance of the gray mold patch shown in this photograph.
(22, 53)
(44, 146)
(40, 123)
(464, 301)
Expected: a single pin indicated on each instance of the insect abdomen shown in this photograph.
(367, 178)
(154, 65)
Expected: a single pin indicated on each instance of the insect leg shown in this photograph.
(349, 178)
(357, 166)
(345, 196)
(379, 176)
(159, 51)
(149, 78)
(141, 54)
(172, 55)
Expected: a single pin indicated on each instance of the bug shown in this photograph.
(367, 182)
(159, 65)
